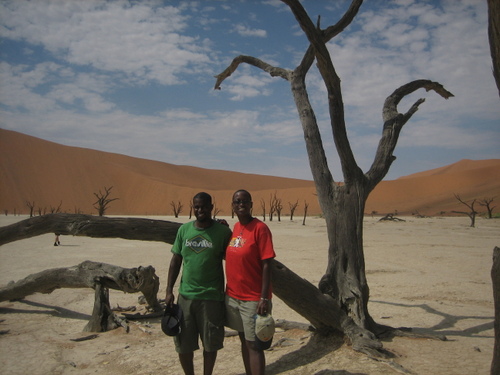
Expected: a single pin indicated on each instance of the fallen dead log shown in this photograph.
(99, 276)
(91, 226)
(390, 217)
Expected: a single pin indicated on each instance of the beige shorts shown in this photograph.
(240, 316)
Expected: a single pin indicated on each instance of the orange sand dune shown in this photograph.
(52, 175)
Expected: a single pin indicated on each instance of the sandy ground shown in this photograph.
(430, 274)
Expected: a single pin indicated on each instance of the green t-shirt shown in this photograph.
(202, 251)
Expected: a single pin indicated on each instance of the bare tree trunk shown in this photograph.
(102, 319)
(495, 276)
(91, 226)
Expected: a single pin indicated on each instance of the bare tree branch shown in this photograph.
(394, 122)
(349, 166)
(272, 70)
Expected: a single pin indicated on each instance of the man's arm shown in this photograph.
(173, 273)
(263, 306)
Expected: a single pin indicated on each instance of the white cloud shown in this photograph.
(246, 31)
(18, 83)
(140, 40)
(392, 48)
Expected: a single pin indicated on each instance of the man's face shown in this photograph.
(242, 204)
(202, 209)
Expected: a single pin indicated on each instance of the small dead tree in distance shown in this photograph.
(103, 200)
(471, 213)
(272, 206)
(55, 210)
(293, 207)
(177, 208)
(342, 204)
(216, 211)
(486, 202)
(278, 206)
(31, 206)
(306, 206)
(263, 206)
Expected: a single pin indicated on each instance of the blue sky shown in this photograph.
(137, 77)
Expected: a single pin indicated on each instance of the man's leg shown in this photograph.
(257, 359)
(244, 353)
(209, 362)
(186, 360)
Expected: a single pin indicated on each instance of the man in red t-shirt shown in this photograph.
(248, 275)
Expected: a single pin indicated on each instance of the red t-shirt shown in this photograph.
(250, 244)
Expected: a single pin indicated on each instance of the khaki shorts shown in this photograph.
(240, 316)
(203, 319)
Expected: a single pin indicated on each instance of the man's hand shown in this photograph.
(169, 299)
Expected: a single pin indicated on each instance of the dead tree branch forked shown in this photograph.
(342, 205)
(471, 213)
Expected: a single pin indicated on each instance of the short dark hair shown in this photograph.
(243, 191)
(203, 196)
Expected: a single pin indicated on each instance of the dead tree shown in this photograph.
(278, 206)
(486, 202)
(177, 208)
(306, 206)
(471, 213)
(293, 207)
(103, 200)
(216, 210)
(263, 206)
(272, 206)
(98, 276)
(55, 210)
(416, 213)
(390, 217)
(342, 205)
(31, 206)
(495, 277)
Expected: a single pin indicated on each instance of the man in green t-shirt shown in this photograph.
(199, 247)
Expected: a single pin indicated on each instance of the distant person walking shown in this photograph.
(57, 242)
(248, 274)
(199, 248)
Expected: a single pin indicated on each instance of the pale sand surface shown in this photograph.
(431, 274)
